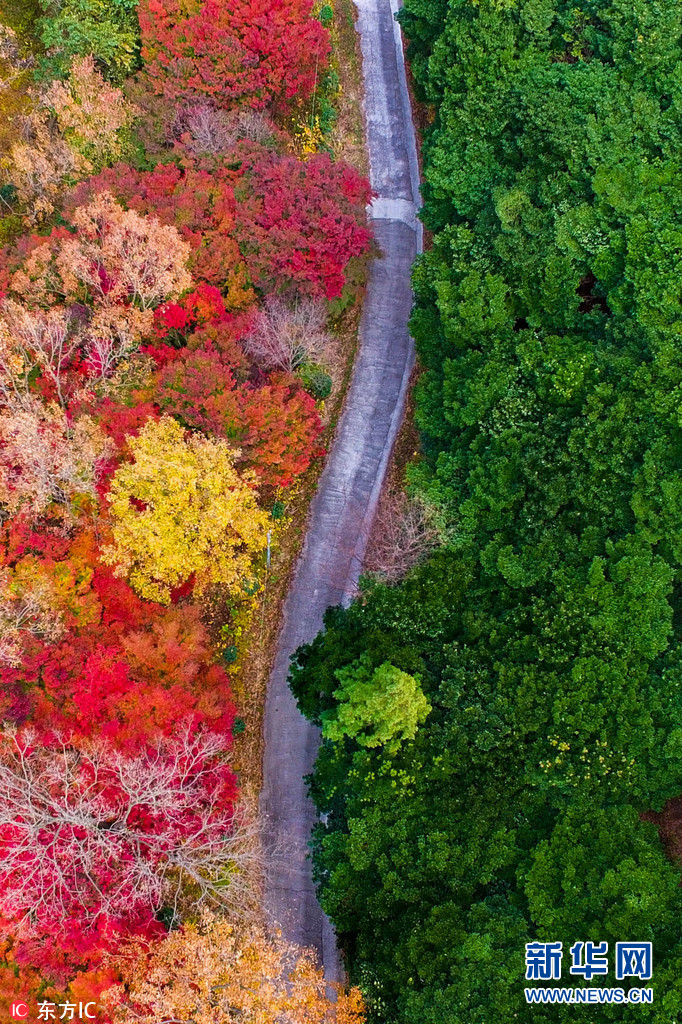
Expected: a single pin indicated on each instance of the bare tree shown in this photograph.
(254, 125)
(87, 830)
(112, 335)
(283, 337)
(27, 608)
(204, 128)
(405, 531)
(45, 339)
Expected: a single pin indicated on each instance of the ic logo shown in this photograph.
(18, 1011)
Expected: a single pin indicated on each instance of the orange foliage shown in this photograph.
(214, 972)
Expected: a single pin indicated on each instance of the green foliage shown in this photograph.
(380, 707)
(315, 380)
(108, 29)
(546, 634)
(21, 16)
(326, 15)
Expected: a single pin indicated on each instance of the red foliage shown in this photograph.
(125, 668)
(282, 430)
(276, 426)
(199, 203)
(119, 421)
(297, 224)
(235, 52)
(300, 223)
(178, 319)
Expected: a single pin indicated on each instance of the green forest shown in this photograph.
(502, 760)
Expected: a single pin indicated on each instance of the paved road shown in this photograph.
(344, 506)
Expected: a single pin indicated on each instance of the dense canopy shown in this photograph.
(546, 633)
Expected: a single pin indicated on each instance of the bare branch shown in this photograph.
(284, 337)
(406, 530)
(87, 830)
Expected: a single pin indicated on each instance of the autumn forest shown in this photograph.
(177, 238)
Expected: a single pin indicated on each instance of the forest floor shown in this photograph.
(344, 506)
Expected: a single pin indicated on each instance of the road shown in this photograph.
(344, 506)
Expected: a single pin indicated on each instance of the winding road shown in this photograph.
(344, 506)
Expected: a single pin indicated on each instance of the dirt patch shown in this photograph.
(348, 139)
(669, 825)
(406, 451)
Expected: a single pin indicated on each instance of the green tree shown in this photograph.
(107, 29)
(546, 634)
(380, 707)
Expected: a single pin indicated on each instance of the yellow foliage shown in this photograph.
(211, 973)
(182, 509)
(309, 136)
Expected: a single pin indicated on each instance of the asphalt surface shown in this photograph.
(346, 500)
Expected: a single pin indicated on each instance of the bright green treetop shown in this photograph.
(376, 708)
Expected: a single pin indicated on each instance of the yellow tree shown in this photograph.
(212, 973)
(181, 509)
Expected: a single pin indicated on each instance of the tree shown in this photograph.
(602, 872)
(182, 510)
(376, 707)
(39, 168)
(250, 53)
(27, 608)
(215, 971)
(115, 258)
(93, 117)
(299, 224)
(87, 832)
(46, 461)
(276, 425)
(405, 533)
(107, 29)
(31, 341)
(206, 129)
(283, 337)
(121, 257)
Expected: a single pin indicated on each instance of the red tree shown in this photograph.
(88, 832)
(300, 223)
(236, 52)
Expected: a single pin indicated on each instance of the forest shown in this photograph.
(502, 754)
(176, 236)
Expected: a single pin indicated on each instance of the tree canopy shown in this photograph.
(546, 632)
